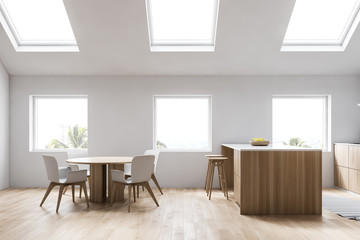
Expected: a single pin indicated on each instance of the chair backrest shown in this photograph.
(52, 169)
(156, 153)
(78, 153)
(141, 168)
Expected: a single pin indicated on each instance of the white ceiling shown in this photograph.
(113, 39)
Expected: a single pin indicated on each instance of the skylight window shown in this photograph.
(37, 25)
(182, 25)
(321, 25)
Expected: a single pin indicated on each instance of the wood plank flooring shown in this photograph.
(183, 214)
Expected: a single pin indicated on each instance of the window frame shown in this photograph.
(32, 46)
(33, 122)
(325, 45)
(327, 115)
(181, 47)
(208, 97)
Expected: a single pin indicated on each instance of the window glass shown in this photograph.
(301, 121)
(59, 122)
(39, 20)
(183, 123)
(321, 25)
(182, 22)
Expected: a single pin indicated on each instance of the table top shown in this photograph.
(100, 160)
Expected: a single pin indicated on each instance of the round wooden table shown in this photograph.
(98, 175)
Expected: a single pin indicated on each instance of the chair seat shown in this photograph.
(62, 180)
(128, 180)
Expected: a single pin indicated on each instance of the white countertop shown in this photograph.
(270, 147)
(351, 144)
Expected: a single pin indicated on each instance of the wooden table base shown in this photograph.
(119, 195)
(99, 193)
(98, 183)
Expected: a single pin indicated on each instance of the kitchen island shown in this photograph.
(276, 180)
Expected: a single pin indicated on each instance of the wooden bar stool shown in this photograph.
(218, 162)
(208, 169)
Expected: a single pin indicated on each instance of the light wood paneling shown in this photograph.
(354, 157)
(341, 175)
(354, 180)
(98, 183)
(344, 177)
(341, 155)
(237, 176)
(347, 177)
(183, 214)
(336, 176)
(229, 166)
(281, 182)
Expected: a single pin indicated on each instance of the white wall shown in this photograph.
(4, 128)
(121, 113)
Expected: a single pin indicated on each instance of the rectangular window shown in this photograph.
(182, 25)
(58, 122)
(37, 25)
(301, 121)
(182, 123)
(322, 25)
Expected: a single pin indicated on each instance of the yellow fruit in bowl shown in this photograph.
(258, 139)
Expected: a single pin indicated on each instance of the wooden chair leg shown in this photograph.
(83, 186)
(211, 179)
(59, 197)
(156, 183)
(89, 178)
(147, 186)
(80, 190)
(65, 189)
(48, 190)
(129, 194)
(137, 190)
(134, 193)
(207, 175)
(113, 191)
(73, 192)
(219, 167)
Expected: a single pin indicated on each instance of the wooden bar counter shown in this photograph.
(270, 180)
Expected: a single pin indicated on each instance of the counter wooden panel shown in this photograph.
(354, 157)
(347, 166)
(281, 182)
(278, 182)
(353, 180)
(237, 176)
(229, 166)
(341, 155)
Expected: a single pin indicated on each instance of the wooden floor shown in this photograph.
(183, 214)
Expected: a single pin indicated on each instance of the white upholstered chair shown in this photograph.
(78, 153)
(63, 177)
(141, 169)
(155, 153)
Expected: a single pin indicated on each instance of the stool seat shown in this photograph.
(216, 161)
(218, 158)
